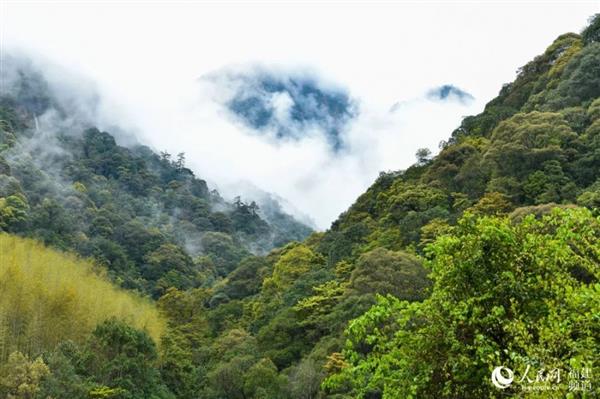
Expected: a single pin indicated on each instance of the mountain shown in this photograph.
(286, 105)
(144, 215)
(43, 306)
(471, 274)
(65, 312)
(438, 273)
(449, 92)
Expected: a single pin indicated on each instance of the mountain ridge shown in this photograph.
(54, 162)
(485, 255)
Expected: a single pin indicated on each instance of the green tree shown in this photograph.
(119, 356)
(386, 272)
(63, 380)
(549, 185)
(305, 379)
(170, 263)
(503, 294)
(580, 81)
(423, 155)
(20, 377)
(223, 251)
(184, 346)
(493, 203)
(590, 197)
(298, 260)
(591, 34)
(262, 381)
(522, 143)
(227, 378)
(13, 211)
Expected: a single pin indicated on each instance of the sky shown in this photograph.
(169, 72)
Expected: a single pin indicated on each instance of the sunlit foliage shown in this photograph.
(48, 297)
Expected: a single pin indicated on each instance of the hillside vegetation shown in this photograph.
(144, 215)
(485, 255)
(436, 274)
(49, 297)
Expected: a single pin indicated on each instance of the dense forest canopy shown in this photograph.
(43, 306)
(485, 255)
(144, 215)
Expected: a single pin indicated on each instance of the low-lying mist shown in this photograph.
(252, 129)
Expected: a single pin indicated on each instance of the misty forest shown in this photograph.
(125, 275)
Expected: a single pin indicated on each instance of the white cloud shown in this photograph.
(147, 58)
(282, 103)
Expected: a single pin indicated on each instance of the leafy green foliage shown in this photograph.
(580, 82)
(20, 377)
(493, 299)
(116, 361)
(121, 357)
(223, 251)
(48, 297)
(13, 211)
(591, 34)
(385, 272)
(82, 191)
(471, 259)
(503, 294)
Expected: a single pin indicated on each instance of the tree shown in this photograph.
(20, 377)
(13, 211)
(177, 367)
(581, 79)
(504, 294)
(591, 34)
(458, 167)
(63, 380)
(184, 346)
(101, 153)
(283, 339)
(180, 163)
(262, 381)
(223, 251)
(246, 219)
(593, 111)
(386, 272)
(493, 203)
(221, 222)
(227, 378)
(305, 379)
(522, 143)
(169, 262)
(247, 278)
(138, 240)
(591, 196)
(549, 185)
(119, 356)
(49, 297)
(423, 155)
(409, 206)
(298, 260)
(52, 222)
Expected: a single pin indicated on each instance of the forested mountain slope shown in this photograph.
(55, 304)
(145, 216)
(486, 255)
(482, 290)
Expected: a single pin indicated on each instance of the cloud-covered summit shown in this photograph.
(285, 105)
(450, 92)
(156, 95)
(441, 95)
